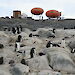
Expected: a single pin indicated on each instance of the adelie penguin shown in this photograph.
(73, 51)
(49, 44)
(30, 35)
(18, 31)
(13, 30)
(19, 38)
(32, 52)
(17, 46)
(41, 54)
(1, 60)
(20, 27)
(53, 30)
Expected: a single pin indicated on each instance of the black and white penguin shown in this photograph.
(32, 52)
(49, 44)
(20, 28)
(55, 45)
(19, 38)
(53, 30)
(41, 54)
(18, 31)
(17, 46)
(30, 35)
(1, 60)
(13, 30)
(73, 51)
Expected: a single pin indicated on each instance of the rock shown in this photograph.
(22, 68)
(12, 39)
(60, 61)
(3, 34)
(38, 63)
(15, 71)
(45, 33)
(1, 46)
(1, 60)
(3, 72)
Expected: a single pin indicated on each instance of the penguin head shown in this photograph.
(33, 48)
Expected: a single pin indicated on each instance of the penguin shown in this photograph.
(53, 30)
(13, 30)
(73, 51)
(32, 52)
(8, 29)
(63, 43)
(55, 45)
(20, 27)
(41, 54)
(30, 35)
(17, 46)
(18, 31)
(19, 38)
(49, 44)
(23, 53)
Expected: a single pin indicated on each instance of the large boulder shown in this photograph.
(4, 69)
(60, 60)
(45, 33)
(3, 72)
(19, 69)
(38, 63)
(9, 55)
(15, 71)
(22, 68)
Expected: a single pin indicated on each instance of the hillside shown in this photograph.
(34, 24)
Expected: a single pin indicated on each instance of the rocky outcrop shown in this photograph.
(54, 60)
(60, 60)
(38, 63)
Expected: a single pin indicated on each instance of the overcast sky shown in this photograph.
(67, 7)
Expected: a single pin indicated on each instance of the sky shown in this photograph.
(67, 7)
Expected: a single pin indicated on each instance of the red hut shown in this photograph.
(37, 11)
(53, 14)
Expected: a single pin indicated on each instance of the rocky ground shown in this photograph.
(35, 24)
(57, 59)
